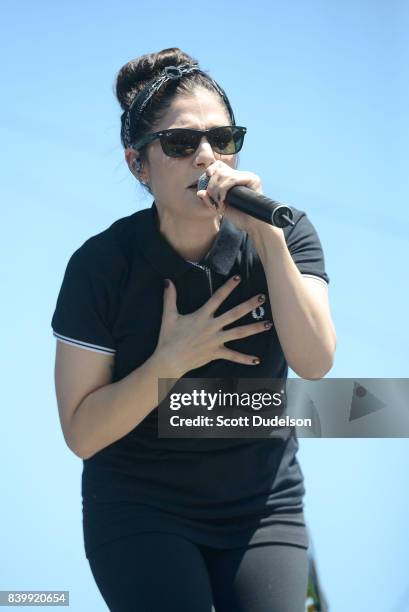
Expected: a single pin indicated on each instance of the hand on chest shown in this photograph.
(140, 315)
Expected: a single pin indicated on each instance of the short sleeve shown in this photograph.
(305, 248)
(84, 303)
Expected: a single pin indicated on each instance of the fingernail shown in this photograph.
(268, 324)
(166, 282)
(256, 360)
(237, 277)
(261, 298)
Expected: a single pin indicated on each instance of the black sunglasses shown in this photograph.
(181, 142)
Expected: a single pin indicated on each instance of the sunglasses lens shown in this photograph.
(224, 140)
(180, 143)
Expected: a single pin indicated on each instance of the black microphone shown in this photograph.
(254, 204)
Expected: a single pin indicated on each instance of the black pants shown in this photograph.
(158, 572)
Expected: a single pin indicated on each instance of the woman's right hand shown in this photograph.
(192, 340)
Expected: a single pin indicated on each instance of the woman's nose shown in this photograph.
(204, 152)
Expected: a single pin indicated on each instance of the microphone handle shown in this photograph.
(259, 206)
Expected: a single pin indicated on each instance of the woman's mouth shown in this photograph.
(193, 185)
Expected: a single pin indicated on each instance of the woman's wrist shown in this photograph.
(166, 364)
(265, 237)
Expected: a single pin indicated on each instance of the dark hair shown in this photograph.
(135, 74)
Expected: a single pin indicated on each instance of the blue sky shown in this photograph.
(322, 88)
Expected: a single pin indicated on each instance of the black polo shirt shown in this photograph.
(218, 492)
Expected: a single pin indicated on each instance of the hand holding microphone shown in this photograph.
(254, 204)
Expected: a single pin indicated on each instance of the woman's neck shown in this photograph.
(191, 239)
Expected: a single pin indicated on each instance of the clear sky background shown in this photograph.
(322, 88)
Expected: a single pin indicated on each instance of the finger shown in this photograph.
(245, 330)
(221, 294)
(169, 299)
(237, 357)
(224, 187)
(242, 309)
(206, 197)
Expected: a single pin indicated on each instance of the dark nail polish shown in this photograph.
(237, 277)
(166, 282)
(256, 360)
(261, 298)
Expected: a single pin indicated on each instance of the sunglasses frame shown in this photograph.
(163, 133)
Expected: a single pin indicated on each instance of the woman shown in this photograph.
(189, 288)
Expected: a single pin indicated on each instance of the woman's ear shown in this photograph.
(137, 164)
(130, 159)
(137, 167)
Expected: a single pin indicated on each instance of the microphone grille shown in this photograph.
(203, 181)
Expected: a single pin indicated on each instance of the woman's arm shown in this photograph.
(94, 412)
(299, 305)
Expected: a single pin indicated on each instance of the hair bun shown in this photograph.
(134, 75)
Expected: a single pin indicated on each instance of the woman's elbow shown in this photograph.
(75, 448)
(316, 371)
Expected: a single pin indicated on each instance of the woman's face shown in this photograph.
(169, 177)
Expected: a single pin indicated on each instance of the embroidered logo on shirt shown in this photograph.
(257, 312)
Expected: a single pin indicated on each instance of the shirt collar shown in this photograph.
(168, 262)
